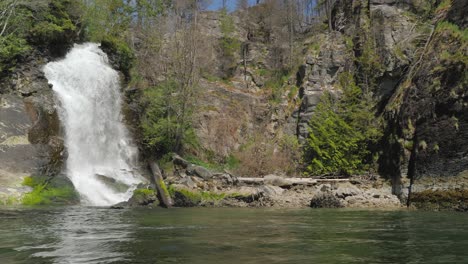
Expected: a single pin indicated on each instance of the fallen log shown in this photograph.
(163, 194)
(288, 181)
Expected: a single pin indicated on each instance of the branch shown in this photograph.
(12, 8)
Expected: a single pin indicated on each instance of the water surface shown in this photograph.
(227, 235)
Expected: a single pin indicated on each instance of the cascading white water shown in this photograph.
(100, 159)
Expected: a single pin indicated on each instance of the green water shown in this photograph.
(206, 235)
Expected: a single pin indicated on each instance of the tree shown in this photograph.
(230, 46)
(343, 131)
(24, 24)
(327, 6)
(242, 4)
(180, 61)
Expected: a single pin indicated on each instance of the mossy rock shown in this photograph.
(190, 198)
(440, 200)
(143, 197)
(48, 191)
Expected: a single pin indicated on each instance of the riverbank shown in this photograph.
(183, 184)
(190, 185)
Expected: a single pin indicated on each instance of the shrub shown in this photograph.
(121, 52)
(164, 122)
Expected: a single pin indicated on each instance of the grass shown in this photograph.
(231, 162)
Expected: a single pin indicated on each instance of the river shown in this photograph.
(230, 235)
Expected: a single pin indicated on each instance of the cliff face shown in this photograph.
(430, 105)
(247, 101)
(418, 78)
(421, 84)
(30, 136)
(31, 140)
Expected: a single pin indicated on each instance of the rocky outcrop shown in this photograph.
(225, 190)
(427, 112)
(326, 58)
(30, 134)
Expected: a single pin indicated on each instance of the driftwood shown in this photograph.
(163, 194)
(290, 181)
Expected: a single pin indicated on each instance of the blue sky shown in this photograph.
(231, 4)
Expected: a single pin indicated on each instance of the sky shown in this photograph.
(217, 4)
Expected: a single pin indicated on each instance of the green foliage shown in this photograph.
(33, 23)
(196, 197)
(370, 63)
(55, 24)
(452, 37)
(229, 46)
(143, 194)
(210, 162)
(124, 54)
(453, 30)
(44, 194)
(276, 82)
(33, 181)
(106, 18)
(342, 132)
(207, 164)
(162, 124)
(444, 6)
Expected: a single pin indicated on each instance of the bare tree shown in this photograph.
(327, 6)
(8, 9)
(242, 4)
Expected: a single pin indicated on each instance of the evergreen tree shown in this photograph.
(342, 132)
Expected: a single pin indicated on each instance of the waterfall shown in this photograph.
(101, 159)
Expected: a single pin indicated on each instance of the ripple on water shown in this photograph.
(97, 235)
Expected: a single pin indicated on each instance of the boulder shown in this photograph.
(343, 192)
(270, 191)
(325, 200)
(324, 187)
(275, 180)
(246, 194)
(199, 171)
(179, 161)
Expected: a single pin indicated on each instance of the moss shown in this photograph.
(187, 198)
(444, 6)
(423, 145)
(314, 48)
(124, 54)
(453, 30)
(408, 145)
(9, 200)
(349, 43)
(441, 199)
(44, 194)
(143, 192)
(164, 188)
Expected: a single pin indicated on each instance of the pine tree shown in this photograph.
(342, 131)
